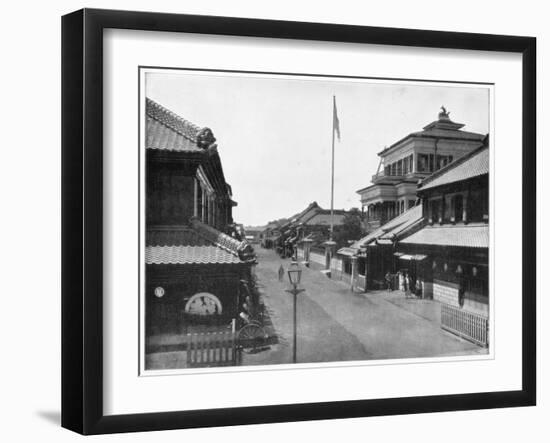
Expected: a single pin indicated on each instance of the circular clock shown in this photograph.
(159, 291)
(203, 303)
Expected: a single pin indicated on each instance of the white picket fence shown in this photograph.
(468, 325)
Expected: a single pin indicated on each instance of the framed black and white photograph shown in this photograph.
(279, 221)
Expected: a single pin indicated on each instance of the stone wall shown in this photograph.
(446, 292)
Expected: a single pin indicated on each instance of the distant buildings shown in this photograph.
(269, 235)
(313, 223)
(194, 265)
(413, 158)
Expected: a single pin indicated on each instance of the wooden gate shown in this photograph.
(212, 349)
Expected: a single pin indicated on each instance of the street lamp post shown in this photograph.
(294, 275)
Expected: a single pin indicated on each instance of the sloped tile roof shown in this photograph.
(216, 237)
(394, 227)
(194, 244)
(323, 218)
(167, 131)
(182, 255)
(390, 231)
(469, 166)
(311, 209)
(162, 137)
(471, 236)
(448, 133)
(443, 128)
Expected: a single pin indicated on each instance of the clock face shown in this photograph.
(203, 303)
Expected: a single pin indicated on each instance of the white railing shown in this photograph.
(468, 325)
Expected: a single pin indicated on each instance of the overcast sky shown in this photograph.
(274, 133)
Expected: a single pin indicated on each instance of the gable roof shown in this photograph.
(306, 213)
(322, 217)
(471, 165)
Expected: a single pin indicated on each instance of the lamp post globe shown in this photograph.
(294, 274)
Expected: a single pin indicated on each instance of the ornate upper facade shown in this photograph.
(409, 160)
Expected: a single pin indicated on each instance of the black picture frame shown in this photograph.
(82, 216)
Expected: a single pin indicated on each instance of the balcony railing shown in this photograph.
(382, 175)
(470, 326)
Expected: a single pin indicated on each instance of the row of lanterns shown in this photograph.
(459, 269)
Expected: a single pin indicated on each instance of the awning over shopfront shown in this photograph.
(471, 236)
(415, 257)
(348, 252)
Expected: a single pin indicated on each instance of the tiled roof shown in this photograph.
(471, 236)
(323, 218)
(171, 119)
(218, 238)
(448, 133)
(443, 128)
(197, 243)
(393, 228)
(306, 213)
(188, 255)
(162, 137)
(167, 131)
(469, 166)
(414, 217)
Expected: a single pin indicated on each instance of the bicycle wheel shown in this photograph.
(251, 336)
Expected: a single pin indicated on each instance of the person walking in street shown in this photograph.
(388, 281)
(281, 272)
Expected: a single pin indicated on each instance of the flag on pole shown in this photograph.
(335, 121)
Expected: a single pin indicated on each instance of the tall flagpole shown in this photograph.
(332, 172)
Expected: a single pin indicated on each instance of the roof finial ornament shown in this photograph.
(205, 138)
(444, 114)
